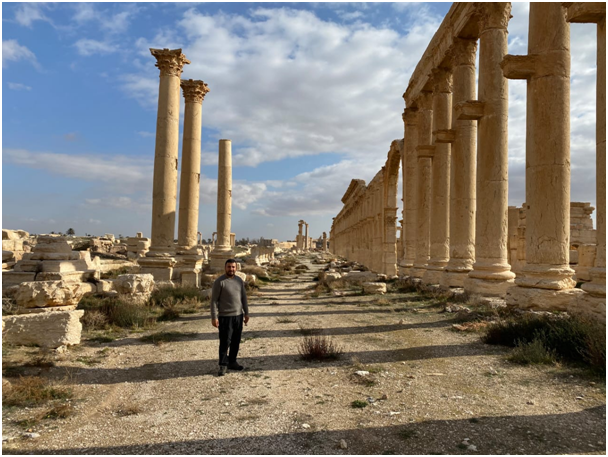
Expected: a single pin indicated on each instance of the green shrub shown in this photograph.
(113, 274)
(533, 352)
(358, 404)
(178, 294)
(101, 312)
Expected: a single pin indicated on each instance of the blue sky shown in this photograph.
(309, 94)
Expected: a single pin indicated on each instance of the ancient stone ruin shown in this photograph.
(458, 230)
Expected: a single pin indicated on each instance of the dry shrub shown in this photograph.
(533, 352)
(571, 338)
(33, 391)
(260, 272)
(94, 320)
(128, 409)
(62, 411)
(319, 347)
(113, 274)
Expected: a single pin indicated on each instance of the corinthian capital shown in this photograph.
(495, 15)
(194, 91)
(170, 61)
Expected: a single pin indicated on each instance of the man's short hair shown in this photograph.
(229, 261)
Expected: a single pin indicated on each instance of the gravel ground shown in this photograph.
(429, 389)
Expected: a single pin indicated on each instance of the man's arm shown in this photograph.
(215, 297)
(244, 302)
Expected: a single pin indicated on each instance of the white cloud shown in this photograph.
(109, 21)
(285, 83)
(27, 13)
(18, 86)
(144, 134)
(88, 47)
(13, 51)
(126, 173)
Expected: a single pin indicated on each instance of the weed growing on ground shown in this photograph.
(319, 347)
(532, 353)
(358, 404)
(33, 391)
(113, 274)
(128, 409)
(284, 320)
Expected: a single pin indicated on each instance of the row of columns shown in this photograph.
(302, 240)
(455, 189)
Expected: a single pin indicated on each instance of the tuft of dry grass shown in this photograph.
(33, 391)
(319, 347)
(128, 409)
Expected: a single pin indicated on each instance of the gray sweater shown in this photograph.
(228, 297)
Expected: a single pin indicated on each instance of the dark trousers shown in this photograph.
(231, 328)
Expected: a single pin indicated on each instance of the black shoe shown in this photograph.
(222, 371)
(236, 367)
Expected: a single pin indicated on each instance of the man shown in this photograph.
(228, 312)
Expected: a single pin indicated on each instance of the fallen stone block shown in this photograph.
(47, 330)
(374, 288)
(138, 286)
(40, 294)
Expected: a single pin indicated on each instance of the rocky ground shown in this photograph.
(428, 389)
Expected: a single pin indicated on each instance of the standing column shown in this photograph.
(194, 93)
(546, 280)
(299, 237)
(462, 171)
(409, 166)
(306, 247)
(491, 274)
(159, 259)
(440, 192)
(596, 13)
(424, 154)
(223, 250)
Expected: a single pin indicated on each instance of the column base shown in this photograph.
(540, 276)
(159, 267)
(453, 278)
(489, 287)
(543, 299)
(433, 275)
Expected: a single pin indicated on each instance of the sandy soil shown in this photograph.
(429, 389)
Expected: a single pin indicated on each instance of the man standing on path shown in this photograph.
(229, 311)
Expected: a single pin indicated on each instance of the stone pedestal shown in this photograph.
(462, 170)
(491, 274)
(223, 250)
(547, 70)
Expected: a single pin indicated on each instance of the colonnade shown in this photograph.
(455, 164)
(365, 230)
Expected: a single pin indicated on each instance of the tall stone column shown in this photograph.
(591, 12)
(194, 93)
(159, 259)
(190, 258)
(299, 238)
(223, 251)
(409, 166)
(491, 274)
(424, 153)
(440, 191)
(547, 279)
(462, 171)
(306, 242)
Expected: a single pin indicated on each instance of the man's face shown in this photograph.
(230, 269)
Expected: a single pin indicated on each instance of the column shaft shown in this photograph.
(410, 180)
(224, 196)
(194, 92)
(424, 181)
(462, 171)
(491, 274)
(597, 286)
(440, 191)
(164, 187)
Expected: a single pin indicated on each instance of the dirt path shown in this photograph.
(444, 392)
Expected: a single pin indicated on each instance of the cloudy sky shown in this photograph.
(309, 94)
